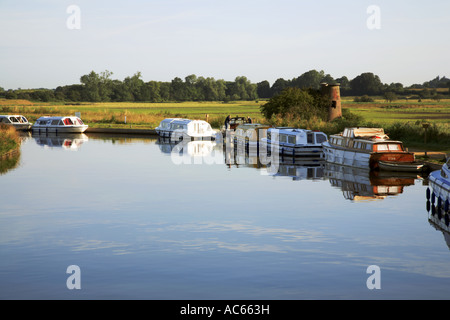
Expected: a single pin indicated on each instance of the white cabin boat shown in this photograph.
(59, 125)
(440, 186)
(17, 121)
(185, 129)
(295, 142)
(366, 148)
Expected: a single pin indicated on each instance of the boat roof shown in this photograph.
(362, 132)
(174, 119)
(55, 117)
(292, 130)
(11, 115)
(253, 126)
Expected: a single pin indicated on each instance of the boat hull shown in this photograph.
(440, 185)
(60, 129)
(183, 136)
(22, 126)
(401, 167)
(367, 160)
(295, 150)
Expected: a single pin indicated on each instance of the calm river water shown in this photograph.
(144, 220)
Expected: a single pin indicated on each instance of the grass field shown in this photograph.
(403, 116)
(142, 115)
(401, 110)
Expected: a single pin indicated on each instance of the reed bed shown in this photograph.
(9, 139)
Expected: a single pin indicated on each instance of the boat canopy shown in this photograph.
(59, 121)
(364, 133)
(13, 119)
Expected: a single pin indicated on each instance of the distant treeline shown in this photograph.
(100, 87)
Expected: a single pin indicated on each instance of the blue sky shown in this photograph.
(259, 39)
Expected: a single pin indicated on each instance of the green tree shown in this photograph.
(91, 83)
(178, 90)
(366, 83)
(390, 96)
(296, 103)
(263, 89)
(279, 85)
(97, 87)
(311, 79)
(133, 86)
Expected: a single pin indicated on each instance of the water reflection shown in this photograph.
(299, 169)
(191, 152)
(438, 209)
(143, 228)
(65, 141)
(9, 162)
(363, 185)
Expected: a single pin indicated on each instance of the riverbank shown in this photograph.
(9, 141)
(132, 131)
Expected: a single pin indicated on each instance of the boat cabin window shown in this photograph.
(14, 120)
(291, 139)
(24, 120)
(283, 138)
(4, 120)
(68, 122)
(388, 147)
(79, 121)
(310, 137)
(55, 122)
(320, 138)
(43, 122)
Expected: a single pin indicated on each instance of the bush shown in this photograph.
(364, 98)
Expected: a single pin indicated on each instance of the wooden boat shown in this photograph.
(404, 167)
(19, 122)
(366, 148)
(295, 142)
(185, 129)
(69, 124)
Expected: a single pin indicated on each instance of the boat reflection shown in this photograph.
(364, 185)
(191, 152)
(299, 169)
(66, 141)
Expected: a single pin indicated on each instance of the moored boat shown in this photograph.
(19, 122)
(185, 129)
(396, 166)
(231, 123)
(440, 185)
(295, 142)
(68, 124)
(249, 135)
(368, 148)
